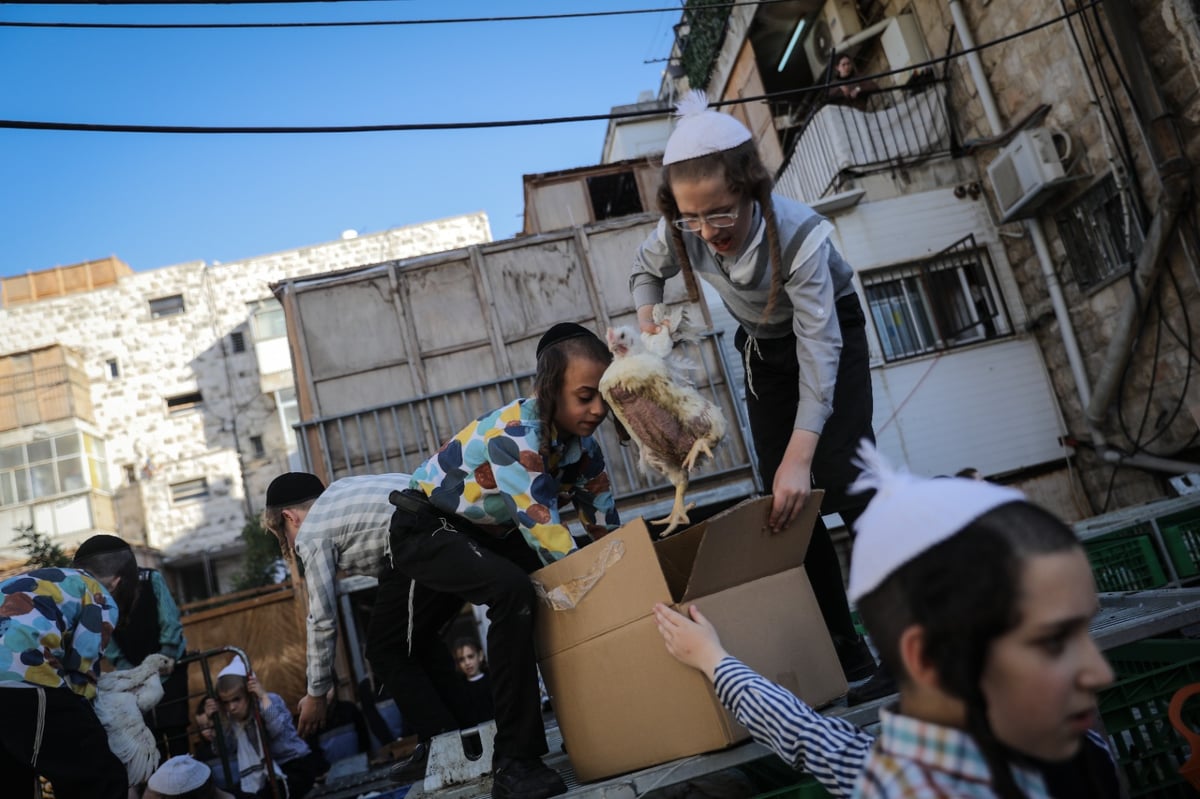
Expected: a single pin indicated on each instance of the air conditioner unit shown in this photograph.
(837, 21)
(903, 46)
(1024, 172)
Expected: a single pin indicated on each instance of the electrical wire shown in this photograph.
(92, 127)
(366, 23)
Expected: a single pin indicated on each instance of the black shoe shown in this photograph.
(411, 768)
(525, 778)
(855, 657)
(881, 684)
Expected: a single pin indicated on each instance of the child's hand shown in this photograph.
(255, 689)
(693, 642)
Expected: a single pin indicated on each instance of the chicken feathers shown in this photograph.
(121, 699)
(668, 419)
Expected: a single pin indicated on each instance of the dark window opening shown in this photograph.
(949, 300)
(237, 341)
(256, 444)
(182, 403)
(614, 195)
(1101, 234)
(114, 368)
(166, 306)
(189, 490)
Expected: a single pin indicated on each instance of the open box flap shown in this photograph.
(738, 548)
(629, 582)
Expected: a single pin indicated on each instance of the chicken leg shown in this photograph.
(678, 514)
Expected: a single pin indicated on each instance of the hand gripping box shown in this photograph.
(622, 702)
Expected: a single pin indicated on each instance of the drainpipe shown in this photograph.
(1172, 170)
(1164, 142)
(1034, 226)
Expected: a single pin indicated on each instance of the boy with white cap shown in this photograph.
(183, 777)
(980, 602)
(801, 330)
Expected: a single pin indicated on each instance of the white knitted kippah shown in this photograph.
(701, 130)
(179, 775)
(909, 515)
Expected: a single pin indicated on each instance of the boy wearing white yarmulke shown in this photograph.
(980, 603)
(801, 331)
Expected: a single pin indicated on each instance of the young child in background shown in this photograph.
(980, 604)
(477, 688)
(801, 330)
(292, 759)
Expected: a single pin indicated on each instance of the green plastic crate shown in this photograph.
(1125, 562)
(1181, 537)
(808, 788)
(1134, 709)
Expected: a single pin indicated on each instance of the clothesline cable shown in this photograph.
(92, 127)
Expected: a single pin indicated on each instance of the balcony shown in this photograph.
(40, 386)
(887, 130)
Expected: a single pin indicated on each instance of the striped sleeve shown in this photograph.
(831, 749)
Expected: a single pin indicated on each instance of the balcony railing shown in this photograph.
(887, 129)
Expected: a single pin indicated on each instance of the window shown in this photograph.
(237, 341)
(256, 445)
(267, 320)
(614, 195)
(50, 467)
(939, 303)
(189, 490)
(166, 306)
(113, 368)
(1101, 234)
(184, 403)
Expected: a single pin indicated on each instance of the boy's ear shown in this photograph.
(917, 666)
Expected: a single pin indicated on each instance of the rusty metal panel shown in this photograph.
(350, 326)
(351, 392)
(537, 285)
(560, 205)
(445, 305)
(611, 253)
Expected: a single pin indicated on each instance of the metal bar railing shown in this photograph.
(350, 448)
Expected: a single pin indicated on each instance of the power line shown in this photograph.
(90, 127)
(366, 23)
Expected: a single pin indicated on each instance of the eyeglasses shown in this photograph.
(692, 224)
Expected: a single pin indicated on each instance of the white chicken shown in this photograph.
(668, 419)
(121, 699)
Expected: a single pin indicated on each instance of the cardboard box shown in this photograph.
(622, 702)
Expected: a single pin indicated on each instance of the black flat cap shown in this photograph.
(293, 488)
(561, 332)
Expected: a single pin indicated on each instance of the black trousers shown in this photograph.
(773, 371)
(74, 754)
(444, 561)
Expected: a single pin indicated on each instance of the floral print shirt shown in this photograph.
(492, 473)
(54, 626)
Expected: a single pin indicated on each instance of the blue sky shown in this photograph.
(155, 200)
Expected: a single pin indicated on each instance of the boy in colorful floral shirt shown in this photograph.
(54, 626)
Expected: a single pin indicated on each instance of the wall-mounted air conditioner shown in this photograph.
(837, 21)
(1025, 172)
(903, 46)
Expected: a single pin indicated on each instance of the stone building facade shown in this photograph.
(1115, 86)
(191, 395)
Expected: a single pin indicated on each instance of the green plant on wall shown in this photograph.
(706, 31)
(43, 553)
